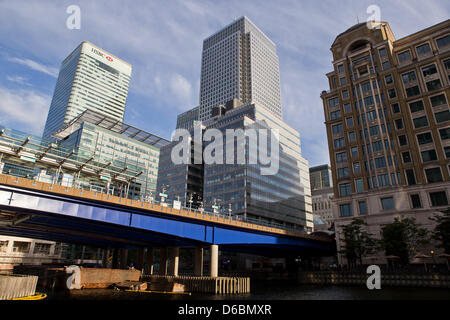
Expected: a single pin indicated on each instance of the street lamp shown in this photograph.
(163, 194)
(190, 201)
(215, 206)
(432, 257)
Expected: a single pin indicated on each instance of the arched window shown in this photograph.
(357, 45)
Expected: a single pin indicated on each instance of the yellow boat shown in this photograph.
(36, 296)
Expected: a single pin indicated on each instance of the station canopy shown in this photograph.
(110, 124)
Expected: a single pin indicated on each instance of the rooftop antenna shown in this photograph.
(357, 18)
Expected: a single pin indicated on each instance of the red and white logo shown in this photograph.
(109, 59)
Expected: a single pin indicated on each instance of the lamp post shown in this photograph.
(163, 194)
(432, 257)
(191, 196)
(215, 206)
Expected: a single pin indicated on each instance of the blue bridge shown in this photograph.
(41, 210)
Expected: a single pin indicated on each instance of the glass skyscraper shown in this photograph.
(282, 198)
(240, 90)
(186, 119)
(89, 78)
(239, 62)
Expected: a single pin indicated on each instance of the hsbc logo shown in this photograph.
(101, 54)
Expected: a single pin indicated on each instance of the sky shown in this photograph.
(163, 39)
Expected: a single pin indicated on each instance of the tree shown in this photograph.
(356, 242)
(441, 232)
(403, 238)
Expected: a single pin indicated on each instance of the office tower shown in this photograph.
(240, 62)
(320, 177)
(182, 182)
(186, 119)
(89, 78)
(125, 157)
(240, 89)
(322, 193)
(387, 120)
(282, 198)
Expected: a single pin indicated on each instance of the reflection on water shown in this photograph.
(268, 291)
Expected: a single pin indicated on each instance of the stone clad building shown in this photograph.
(387, 119)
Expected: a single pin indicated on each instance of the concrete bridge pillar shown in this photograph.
(214, 260)
(115, 258)
(174, 261)
(163, 261)
(198, 261)
(106, 255)
(149, 261)
(140, 259)
(123, 258)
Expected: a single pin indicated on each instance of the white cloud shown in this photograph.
(36, 66)
(24, 109)
(19, 80)
(163, 41)
(195, 8)
(181, 88)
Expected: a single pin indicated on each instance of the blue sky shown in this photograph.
(162, 39)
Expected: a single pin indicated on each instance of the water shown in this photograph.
(268, 291)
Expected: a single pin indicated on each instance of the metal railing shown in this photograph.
(224, 216)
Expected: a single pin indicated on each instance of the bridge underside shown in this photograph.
(85, 232)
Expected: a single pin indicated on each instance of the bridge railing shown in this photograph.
(225, 217)
(239, 218)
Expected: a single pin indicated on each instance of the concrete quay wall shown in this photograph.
(360, 279)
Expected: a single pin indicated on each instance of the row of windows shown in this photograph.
(432, 175)
(25, 246)
(435, 101)
(322, 205)
(423, 49)
(419, 122)
(408, 78)
(437, 199)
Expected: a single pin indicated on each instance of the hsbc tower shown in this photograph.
(89, 78)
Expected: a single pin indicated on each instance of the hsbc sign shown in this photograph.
(97, 52)
(105, 57)
(101, 54)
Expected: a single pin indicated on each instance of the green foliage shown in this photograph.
(403, 238)
(441, 232)
(356, 242)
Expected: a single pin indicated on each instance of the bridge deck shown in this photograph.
(144, 206)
